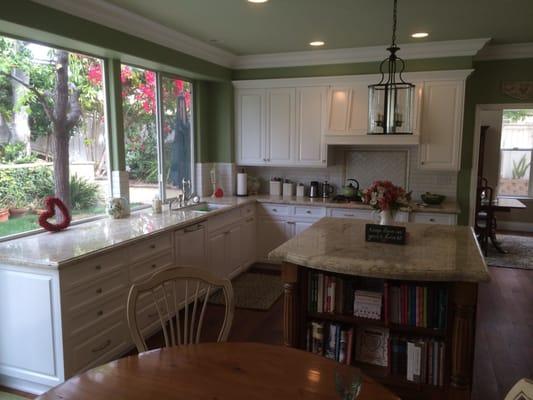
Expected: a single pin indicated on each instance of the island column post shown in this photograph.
(291, 307)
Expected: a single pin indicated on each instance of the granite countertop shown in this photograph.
(55, 250)
(432, 252)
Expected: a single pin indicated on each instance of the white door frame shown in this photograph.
(475, 148)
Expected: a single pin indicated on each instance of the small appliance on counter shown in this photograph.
(313, 190)
(351, 192)
(242, 184)
(288, 188)
(300, 190)
(327, 190)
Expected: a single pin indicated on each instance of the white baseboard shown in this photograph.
(23, 385)
(515, 226)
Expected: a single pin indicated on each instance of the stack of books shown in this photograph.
(330, 294)
(418, 360)
(331, 340)
(367, 304)
(421, 306)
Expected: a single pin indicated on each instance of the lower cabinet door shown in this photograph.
(234, 245)
(217, 254)
(270, 234)
(299, 227)
(190, 246)
(248, 247)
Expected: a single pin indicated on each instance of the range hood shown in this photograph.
(372, 140)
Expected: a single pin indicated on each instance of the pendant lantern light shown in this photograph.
(390, 101)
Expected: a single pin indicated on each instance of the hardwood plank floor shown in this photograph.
(504, 335)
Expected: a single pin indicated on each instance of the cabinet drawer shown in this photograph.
(274, 209)
(146, 268)
(91, 269)
(316, 212)
(96, 317)
(434, 218)
(146, 248)
(352, 213)
(85, 353)
(99, 290)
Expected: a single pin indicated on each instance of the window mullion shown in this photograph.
(159, 130)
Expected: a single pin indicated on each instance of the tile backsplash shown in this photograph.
(398, 164)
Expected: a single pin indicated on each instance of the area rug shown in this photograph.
(9, 396)
(520, 252)
(253, 290)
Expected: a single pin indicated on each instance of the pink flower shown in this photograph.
(125, 74)
(94, 74)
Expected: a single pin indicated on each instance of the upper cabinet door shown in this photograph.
(250, 126)
(441, 125)
(348, 110)
(311, 105)
(281, 130)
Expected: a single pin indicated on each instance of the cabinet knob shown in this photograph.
(100, 313)
(432, 220)
(99, 290)
(308, 211)
(275, 210)
(152, 246)
(154, 265)
(98, 267)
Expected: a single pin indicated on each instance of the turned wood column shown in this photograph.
(289, 277)
(464, 302)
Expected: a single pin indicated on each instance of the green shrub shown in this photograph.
(15, 153)
(27, 187)
(83, 194)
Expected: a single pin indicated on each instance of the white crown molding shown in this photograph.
(115, 17)
(450, 48)
(364, 79)
(506, 51)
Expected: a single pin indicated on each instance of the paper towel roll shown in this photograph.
(242, 184)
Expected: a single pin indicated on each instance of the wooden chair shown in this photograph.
(522, 390)
(174, 291)
(484, 218)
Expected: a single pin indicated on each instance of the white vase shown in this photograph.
(385, 217)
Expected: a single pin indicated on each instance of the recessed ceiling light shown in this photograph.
(257, 1)
(317, 43)
(420, 35)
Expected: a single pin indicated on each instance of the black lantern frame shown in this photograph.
(390, 101)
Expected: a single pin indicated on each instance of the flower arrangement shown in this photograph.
(384, 196)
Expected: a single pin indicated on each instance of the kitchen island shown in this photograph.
(435, 258)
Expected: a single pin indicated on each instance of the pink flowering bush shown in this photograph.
(383, 195)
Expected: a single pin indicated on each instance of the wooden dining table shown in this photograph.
(503, 204)
(221, 371)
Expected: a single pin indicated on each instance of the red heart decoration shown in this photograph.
(51, 203)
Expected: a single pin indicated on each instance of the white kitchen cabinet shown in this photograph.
(217, 253)
(225, 251)
(190, 246)
(300, 226)
(234, 250)
(433, 218)
(248, 244)
(250, 122)
(310, 147)
(271, 232)
(348, 110)
(281, 127)
(441, 125)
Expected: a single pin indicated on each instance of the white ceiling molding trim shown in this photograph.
(506, 51)
(125, 21)
(451, 48)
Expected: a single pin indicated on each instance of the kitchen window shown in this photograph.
(158, 133)
(516, 150)
(49, 147)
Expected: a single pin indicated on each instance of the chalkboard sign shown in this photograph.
(385, 234)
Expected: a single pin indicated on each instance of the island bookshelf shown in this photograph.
(456, 334)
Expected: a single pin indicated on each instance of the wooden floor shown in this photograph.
(504, 337)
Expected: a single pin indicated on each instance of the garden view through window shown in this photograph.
(516, 152)
(50, 147)
(147, 123)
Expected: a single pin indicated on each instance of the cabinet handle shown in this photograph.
(98, 267)
(99, 290)
(102, 347)
(348, 215)
(308, 211)
(152, 246)
(291, 222)
(154, 265)
(432, 220)
(193, 229)
(275, 210)
(100, 313)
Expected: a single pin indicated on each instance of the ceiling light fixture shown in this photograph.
(317, 43)
(390, 101)
(420, 35)
(257, 1)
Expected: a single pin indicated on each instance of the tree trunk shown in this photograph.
(61, 167)
(61, 133)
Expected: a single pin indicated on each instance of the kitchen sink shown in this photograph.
(203, 208)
